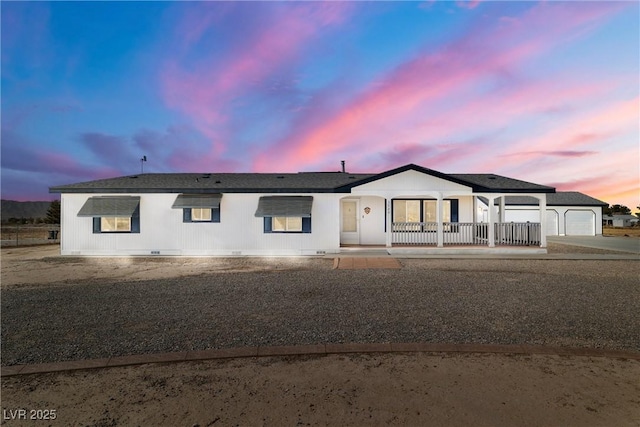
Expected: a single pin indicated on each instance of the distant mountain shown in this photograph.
(13, 209)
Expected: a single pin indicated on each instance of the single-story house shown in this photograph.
(308, 213)
(620, 220)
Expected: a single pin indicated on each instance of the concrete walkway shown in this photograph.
(316, 349)
(349, 260)
(359, 263)
(623, 244)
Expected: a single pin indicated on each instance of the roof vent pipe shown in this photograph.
(342, 163)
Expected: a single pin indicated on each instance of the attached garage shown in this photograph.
(580, 222)
(568, 213)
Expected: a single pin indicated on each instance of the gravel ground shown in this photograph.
(303, 301)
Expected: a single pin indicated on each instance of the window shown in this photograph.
(291, 224)
(406, 211)
(113, 214)
(285, 214)
(114, 224)
(430, 213)
(280, 223)
(201, 214)
(422, 211)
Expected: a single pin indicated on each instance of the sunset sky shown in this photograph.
(546, 92)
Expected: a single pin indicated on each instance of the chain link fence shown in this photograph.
(28, 234)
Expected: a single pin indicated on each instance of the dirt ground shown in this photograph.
(621, 232)
(40, 265)
(384, 389)
(360, 389)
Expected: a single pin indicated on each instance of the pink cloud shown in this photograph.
(468, 4)
(585, 131)
(556, 153)
(583, 183)
(206, 92)
(416, 89)
(606, 188)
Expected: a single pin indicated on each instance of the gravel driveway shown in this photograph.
(560, 302)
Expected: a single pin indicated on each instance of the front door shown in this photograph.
(349, 222)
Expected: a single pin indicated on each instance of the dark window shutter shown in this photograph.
(454, 210)
(215, 215)
(135, 224)
(267, 224)
(306, 225)
(385, 215)
(96, 224)
(135, 221)
(186, 215)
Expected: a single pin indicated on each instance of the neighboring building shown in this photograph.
(305, 213)
(620, 220)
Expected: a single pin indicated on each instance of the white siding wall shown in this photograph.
(465, 209)
(410, 182)
(238, 233)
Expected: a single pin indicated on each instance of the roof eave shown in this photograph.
(187, 190)
(346, 188)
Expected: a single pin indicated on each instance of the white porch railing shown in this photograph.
(414, 233)
(518, 233)
(465, 233)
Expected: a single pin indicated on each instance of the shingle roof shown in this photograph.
(560, 198)
(491, 183)
(481, 183)
(302, 182)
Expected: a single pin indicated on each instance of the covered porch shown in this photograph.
(417, 207)
(437, 221)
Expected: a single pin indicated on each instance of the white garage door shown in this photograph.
(552, 222)
(580, 223)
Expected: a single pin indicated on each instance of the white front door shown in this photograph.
(349, 222)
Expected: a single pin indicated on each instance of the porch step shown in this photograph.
(360, 250)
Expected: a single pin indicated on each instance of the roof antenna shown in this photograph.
(342, 163)
(142, 160)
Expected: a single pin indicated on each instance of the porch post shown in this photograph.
(542, 204)
(440, 227)
(475, 211)
(502, 212)
(389, 221)
(492, 220)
